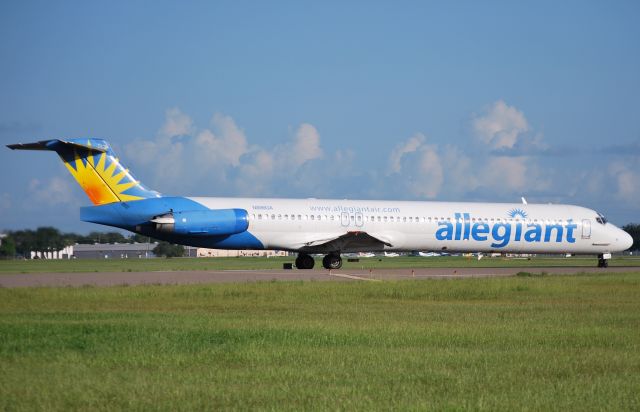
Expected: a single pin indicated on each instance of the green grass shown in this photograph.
(519, 343)
(249, 263)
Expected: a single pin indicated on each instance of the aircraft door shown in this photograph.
(586, 229)
(344, 219)
(359, 219)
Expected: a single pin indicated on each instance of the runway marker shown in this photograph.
(344, 275)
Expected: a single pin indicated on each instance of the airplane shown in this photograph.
(366, 254)
(329, 227)
(429, 254)
(391, 254)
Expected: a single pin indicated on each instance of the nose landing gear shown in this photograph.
(603, 260)
(332, 261)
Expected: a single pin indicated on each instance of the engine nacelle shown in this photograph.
(217, 222)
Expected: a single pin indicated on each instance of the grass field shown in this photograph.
(519, 343)
(144, 265)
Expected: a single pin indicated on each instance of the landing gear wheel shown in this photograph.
(332, 261)
(602, 262)
(304, 261)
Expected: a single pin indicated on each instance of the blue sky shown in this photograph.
(411, 100)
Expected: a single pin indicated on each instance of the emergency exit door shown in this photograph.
(586, 229)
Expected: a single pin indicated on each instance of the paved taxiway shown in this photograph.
(221, 276)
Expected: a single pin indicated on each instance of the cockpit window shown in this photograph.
(601, 219)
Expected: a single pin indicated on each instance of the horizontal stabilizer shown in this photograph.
(95, 167)
(54, 144)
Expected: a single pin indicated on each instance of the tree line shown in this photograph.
(48, 239)
(634, 230)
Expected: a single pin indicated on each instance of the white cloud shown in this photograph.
(626, 181)
(224, 148)
(306, 145)
(176, 123)
(54, 191)
(506, 173)
(221, 160)
(460, 176)
(419, 165)
(183, 157)
(410, 146)
(500, 126)
(286, 158)
(431, 174)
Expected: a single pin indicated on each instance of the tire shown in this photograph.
(304, 262)
(332, 261)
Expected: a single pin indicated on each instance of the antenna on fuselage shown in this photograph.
(524, 201)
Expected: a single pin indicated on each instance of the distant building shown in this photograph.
(2, 236)
(114, 251)
(204, 252)
(65, 253)
(145, 250)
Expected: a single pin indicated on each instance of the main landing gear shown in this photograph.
(603, 261)
(304, 261)
(330, 261)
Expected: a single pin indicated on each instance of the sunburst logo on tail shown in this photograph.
(102, 177)
(96, 169)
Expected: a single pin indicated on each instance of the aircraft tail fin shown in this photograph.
(95, 167)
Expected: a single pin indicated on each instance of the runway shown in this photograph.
(230, 276)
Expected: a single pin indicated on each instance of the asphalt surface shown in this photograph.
(229, 276)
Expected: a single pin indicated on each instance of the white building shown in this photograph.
(65, 253)
(204, 252)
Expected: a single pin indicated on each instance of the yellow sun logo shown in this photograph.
(102, 183)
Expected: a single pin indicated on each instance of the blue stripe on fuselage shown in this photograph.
(135, 216)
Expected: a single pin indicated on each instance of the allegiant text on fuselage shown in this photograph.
(502, 233)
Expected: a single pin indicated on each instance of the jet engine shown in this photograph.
(215, 222)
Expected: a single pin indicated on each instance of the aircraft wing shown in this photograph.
(348, 242)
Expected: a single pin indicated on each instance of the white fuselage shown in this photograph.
(301, 224)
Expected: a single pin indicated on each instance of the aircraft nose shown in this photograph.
(625, 240)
